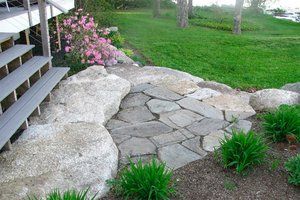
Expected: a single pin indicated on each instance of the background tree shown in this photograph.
(182, 13)
(257, 5)
(237, 21)
(190, 8)
(156, 8)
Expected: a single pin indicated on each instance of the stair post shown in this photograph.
(44, 28)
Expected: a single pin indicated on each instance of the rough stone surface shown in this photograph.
(91, 95)
(63, 156)
(201, 108)
(176, 156)
(241, 125)
(233, 106)
(136, 147)
(114, 123)
(131, 100)
(272, 98)
(178, 74)
(147, 129)
(293, 87)
(212, 141)
(204, 93)
(67, 142)
(135, 114)
(169, 138)
(195, 146)
(141, 87)
(220, 87)
(181, 87)
(162, 93)
(137, 75)
(160, 106)
(207, 126)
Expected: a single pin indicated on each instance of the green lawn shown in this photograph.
(264, 58)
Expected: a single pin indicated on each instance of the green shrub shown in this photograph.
(128, 52)
(142, 182)
(242, 151)
(68, 195)
(293, 167)
(282, 122)
(116, 39)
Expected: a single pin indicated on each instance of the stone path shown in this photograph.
(154, 121)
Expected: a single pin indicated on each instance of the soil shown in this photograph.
(207, 179)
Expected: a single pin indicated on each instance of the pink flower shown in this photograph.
(67, 49)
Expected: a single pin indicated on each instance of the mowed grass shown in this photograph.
(268, 57)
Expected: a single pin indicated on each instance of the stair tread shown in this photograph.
(13, 53)
(15, 115)
(5, 36)
(13, 80)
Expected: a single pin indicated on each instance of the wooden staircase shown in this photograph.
(25, 82)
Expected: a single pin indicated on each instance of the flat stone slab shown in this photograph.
(114, 123)
(201, 108)
(141, 87)
(160, 106)
(176, 156)
(137, 99)
(162, 93)
(204, 93)
(135, 115)
(118, 139)
(179, 118)
(212, 141)
(233, 106)
(207, 126)
(194, 145)
(241, 125)
(146, 129)
(168, 138)
(136, 147)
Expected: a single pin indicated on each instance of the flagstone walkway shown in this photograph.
(154, 121)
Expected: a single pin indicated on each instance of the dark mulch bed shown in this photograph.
(207, 179)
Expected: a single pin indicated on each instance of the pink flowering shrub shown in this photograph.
(84, 42)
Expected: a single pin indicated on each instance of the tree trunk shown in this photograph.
(182, 13)
(190, 8)
(238, 17)
(156, 8)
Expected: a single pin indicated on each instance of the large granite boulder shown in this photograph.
(233, 106)
(156, 75)
(294, 87)
(272, 98)
(89, 96)
(63, 156)
(67, 147)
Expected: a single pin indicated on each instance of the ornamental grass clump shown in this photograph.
(242, 151)
(68, 195)
(293, 168)
(283, 124)
(84, 43)
(145, 182)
